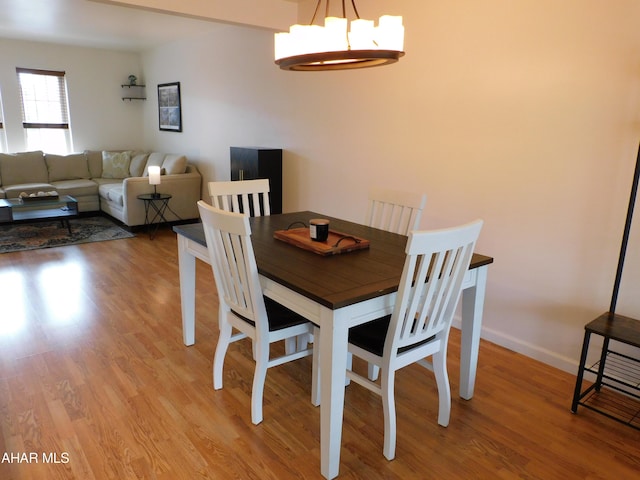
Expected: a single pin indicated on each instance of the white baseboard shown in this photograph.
(569, 365)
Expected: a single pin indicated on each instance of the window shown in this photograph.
(45, 116)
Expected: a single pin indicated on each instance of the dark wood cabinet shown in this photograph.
(250, 163)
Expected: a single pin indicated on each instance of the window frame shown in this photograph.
(62, 101)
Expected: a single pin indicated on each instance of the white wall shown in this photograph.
(98, 117)
(522, 113)
(231, 96)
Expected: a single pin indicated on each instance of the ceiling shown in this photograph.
(132, 24)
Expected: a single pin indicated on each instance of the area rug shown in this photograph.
(31, 236)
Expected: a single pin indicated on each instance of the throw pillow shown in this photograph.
(174, 164)
(67, 167)
(23, 167)
(138, 162)
(115, 164)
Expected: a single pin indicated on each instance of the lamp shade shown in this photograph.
(154, 175)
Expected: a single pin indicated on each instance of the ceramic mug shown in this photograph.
(319, 229)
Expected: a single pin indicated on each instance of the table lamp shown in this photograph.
(154, 179)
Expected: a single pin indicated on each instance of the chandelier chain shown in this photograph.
(327, 9)
(353, 4)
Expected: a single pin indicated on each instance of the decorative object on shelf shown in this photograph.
(314, 48)
(169, 111)
(154, 179)
(132, 80)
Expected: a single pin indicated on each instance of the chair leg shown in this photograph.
(374, 371)
(315, 369)
(389, 409)
(347, 380)
(290, 345)
(259, 377)
(221, 350)
(304, 340)
(444, 389)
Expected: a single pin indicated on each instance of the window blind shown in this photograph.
(44, 98)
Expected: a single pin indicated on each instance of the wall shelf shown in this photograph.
(133, 92)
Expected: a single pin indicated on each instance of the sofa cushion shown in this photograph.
(155, 159)
(116, 164)
(112, 192)
(67, 167)
(138, 162)
(94, 161)
(173, 164)
(23, 167)
(104, 181)
(78, 187)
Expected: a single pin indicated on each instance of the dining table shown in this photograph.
(335, 292)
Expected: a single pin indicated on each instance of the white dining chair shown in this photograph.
(396, 211)
(419, 326)
(252, 197)
(243, 308)
(244, 196)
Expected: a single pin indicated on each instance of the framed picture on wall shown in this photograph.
(169, 111)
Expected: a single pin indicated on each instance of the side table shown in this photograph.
(155, 204)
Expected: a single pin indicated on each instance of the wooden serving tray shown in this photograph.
(336, 243)
(41, 198)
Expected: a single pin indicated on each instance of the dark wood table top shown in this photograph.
(617, 327)
(334, 281)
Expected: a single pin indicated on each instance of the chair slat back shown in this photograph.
(244, 196)
(228, 236)
(431, 283)
(395, 211)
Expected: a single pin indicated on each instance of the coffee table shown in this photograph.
(16, 210)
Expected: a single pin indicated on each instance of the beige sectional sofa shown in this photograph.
(107, 181)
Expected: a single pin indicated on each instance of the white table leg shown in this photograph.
(187, 266)
(472, 306)
(333, 364)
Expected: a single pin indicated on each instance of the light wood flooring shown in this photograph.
(95, 383)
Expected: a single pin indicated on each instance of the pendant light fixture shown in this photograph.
(314, 47)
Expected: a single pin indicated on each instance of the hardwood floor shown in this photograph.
(95, 383)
